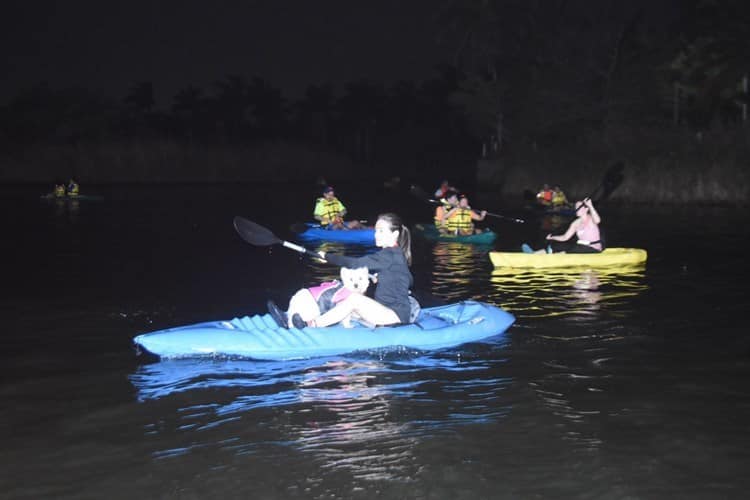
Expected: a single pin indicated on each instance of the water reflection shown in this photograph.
(579, 291)
(65, 207)
(455, 266)
(361, 416)
(552, 222)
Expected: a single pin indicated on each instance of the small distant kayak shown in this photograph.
(609, 257)
(259, 337)
(80, 197)
(430, 232)
(315, 232)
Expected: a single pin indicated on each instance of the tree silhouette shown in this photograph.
(315, 113)
(712, 63)
(360, 109)
(268, 108)
(189, 108)
(230, 107)
(141, 97)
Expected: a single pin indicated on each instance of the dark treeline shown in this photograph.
(544, 90)
(367, 124)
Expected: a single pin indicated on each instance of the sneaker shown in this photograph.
(298, 322)
(277, 314)
(525, 248)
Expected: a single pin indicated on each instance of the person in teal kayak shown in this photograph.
(447, 209)
(444, 188)
(330, 212)
(586, 229)
(391, 304)
(461, 222)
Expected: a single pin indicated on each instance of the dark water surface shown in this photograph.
(627, 383)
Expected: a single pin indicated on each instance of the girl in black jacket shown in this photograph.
(391, 266)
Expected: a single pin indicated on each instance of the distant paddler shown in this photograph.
(330, 212)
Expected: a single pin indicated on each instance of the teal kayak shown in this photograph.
(259, 337)
(430, 232)
(314, 232)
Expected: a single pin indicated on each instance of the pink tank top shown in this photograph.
(589, 232)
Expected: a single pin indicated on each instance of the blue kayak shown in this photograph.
(315, 232)
(259, 337)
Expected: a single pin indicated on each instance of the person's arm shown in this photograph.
(438, 217)
(373, 262)
(594, 214)
(318, 214)
(478, 216)
(568, 234)
(342, 209)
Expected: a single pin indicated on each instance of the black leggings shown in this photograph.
(571, 247)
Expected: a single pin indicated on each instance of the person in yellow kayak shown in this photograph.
(586, 229)
(448, 208)
(330, 212)
(461, 220)
(73, 189)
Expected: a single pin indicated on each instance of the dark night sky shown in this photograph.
(109, 46)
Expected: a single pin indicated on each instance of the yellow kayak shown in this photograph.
(609, 257)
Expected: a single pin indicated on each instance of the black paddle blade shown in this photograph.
(612, 179)
(253, 233)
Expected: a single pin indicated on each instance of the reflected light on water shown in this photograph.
(362, 416)
(455, 266)
(579, 291)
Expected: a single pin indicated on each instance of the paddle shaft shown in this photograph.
(257, 235)
(416, 190)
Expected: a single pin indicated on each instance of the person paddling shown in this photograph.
(330, 212)
(586, 229)
(444, 188)
(461, 220)
(446, 210)
(392, 304)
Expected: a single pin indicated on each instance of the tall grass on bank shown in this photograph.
(144, 161)
(712, 167)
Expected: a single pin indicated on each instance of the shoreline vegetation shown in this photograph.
(660, 167)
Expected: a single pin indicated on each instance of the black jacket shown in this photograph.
(394, 277)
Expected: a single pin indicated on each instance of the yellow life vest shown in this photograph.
(73, 189)
(328, 210)
(59, 190)
(461, 221)
(558, 198)
(440, 213)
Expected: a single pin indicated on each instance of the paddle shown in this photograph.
(258, 235)
(611, 180)
(422, 195)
